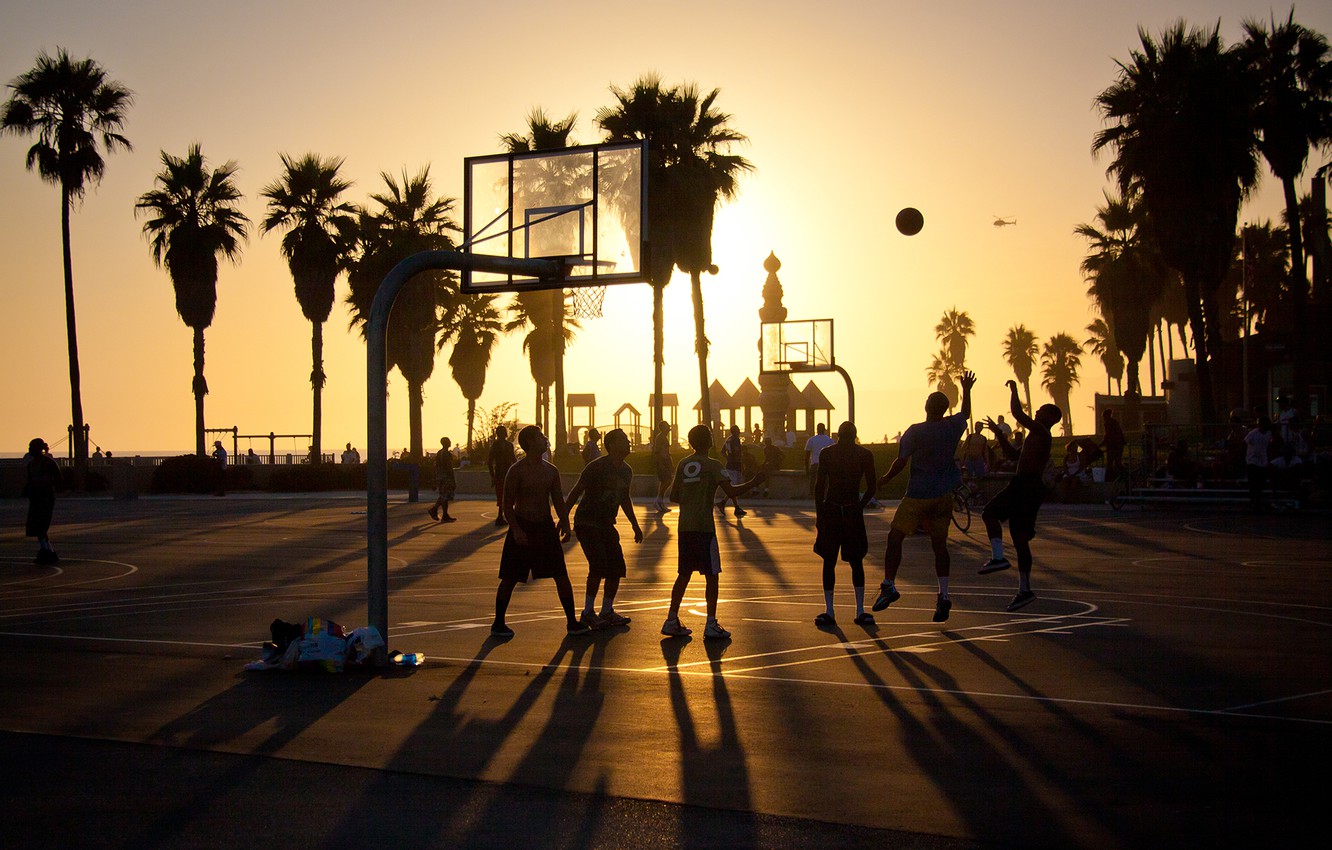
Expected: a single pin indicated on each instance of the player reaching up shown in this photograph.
(1019, 502)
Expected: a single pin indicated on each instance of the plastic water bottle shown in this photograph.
(411, 659)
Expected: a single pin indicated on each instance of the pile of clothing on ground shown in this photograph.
(319, 644)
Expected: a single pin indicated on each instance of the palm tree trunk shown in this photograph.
(1160, 347)
(200, 390)
(317, 383)
(72, 340)
(1134, 387)
(471, 417)
(1026, 388)
(1061, 399)
(1200, 345)
(701, 347)
(1151, 364)
(557, 317)
(658, 358)
(415, 434)
(1299, 293)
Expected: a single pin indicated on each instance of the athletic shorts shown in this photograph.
(1018, 504)
(934, 514)
(735, 476)
(841, 529)
(541, 557)
(699, 554)
(601, 547)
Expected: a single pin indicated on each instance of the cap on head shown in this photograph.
(936, 403)
(532, 440)
(700, 438)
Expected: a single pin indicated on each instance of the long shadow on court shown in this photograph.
(711, 776)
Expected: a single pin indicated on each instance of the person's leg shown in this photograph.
(710, 592)
(994, 530)
(829, 582)
(593, 585)
(1022, 545)
(433, 510)
(502, 597)
(564, 590)
(942, 563)
(677, 595)
(444, 510)
(499, 503)
(858, 584)
(608, 601)
(892, 560)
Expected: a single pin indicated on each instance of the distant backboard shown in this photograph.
(585, 207)
(800, 346)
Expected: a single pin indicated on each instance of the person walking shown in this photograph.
(446, 484)
(41, 480)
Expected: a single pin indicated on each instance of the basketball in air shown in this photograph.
(910, 221)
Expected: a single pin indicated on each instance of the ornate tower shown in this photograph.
(774, 397)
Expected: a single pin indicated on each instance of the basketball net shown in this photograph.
(587, 301)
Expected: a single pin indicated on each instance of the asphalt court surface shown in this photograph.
(1170, 681)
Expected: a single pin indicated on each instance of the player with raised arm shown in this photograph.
(1019, 502)
(929, 447)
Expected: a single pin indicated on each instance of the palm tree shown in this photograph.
(409, 219)
(194, 219)
(76, 113)
(690, 171)
(1101, 344)
(952, 332)
(546, 309)
(532, 310)
(940, 373)
(1182, 134)
(1060, 360)
(1020, 351)
(473, 327)
(1294, 114)
(1124, 276)
(1265, 276)
(320, 232)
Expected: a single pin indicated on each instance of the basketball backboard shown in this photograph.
(585, 207)
(799, 346)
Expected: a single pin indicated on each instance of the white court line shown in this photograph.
(1274, 701)
(252, 645)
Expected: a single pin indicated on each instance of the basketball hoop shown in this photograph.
(587, 301)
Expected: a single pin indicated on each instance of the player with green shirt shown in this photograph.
(694, 487)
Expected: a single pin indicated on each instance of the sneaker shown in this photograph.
(864, 618)
(447, 518)
(578, 629)
(715, 630)
(825, 621)
(613, 619)
(942, 606)
(739, 512)
(591, 620)
(501, 631)
(993, 565)
(886, 597)
(672, 628)
(1024, 598)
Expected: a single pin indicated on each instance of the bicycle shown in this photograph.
(965, 497)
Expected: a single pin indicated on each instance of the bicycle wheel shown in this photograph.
(961, 509)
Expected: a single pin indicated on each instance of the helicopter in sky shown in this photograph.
(1004, 221)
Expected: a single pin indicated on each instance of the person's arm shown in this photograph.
(675, 483)
(561, 508)
(806, 458)
(1015, 406)
(968, 381)
(511, 505)
(820, 489)
(899, 463)
(867, 471)
(628, 507)
(576, 492)
(744, 487)
(1004, 446)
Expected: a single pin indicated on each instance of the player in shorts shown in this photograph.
(661, 464)
(929, 447)
(733, 452)
(603, 486)
(532, 546)
(694, 486)
(840, 510)
(1019, 502)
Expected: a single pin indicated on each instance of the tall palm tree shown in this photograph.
(1182, 133)
(691, 171)
(1020, 352)
(941, 375)
(547, 309)
(321, 229)
(408, 219)
(1124, 276)
(194, 218)
(1060, 359)
(1100, 343)
(532, 311)
(473, 327)
(76, 113)
(952, 332)
(1265, 276)
(1294, 114)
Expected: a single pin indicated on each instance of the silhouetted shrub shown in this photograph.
(187, 474)
(299, 478)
